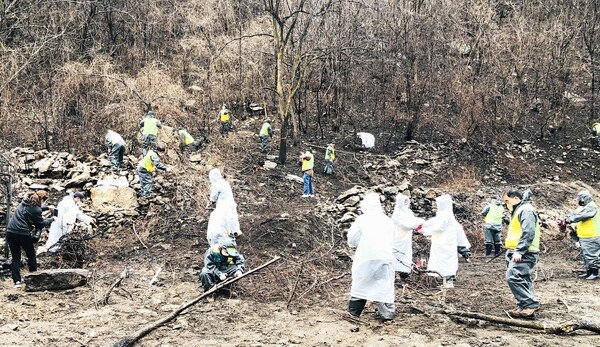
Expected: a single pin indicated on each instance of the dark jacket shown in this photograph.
(217, 264)
(27, 217)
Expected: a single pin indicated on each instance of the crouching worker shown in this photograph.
(372, 234)
(221, 261)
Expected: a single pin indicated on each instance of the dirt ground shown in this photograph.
(70, 318)
(299, 301)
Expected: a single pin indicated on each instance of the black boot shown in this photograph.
(593, 275)
(355, 307)
(587, 273)
(497, 249)
(488, 249)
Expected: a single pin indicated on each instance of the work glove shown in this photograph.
(223, 277)
(168, 169)
(238, 273)
(577, 245)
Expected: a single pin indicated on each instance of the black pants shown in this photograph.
(15, 242)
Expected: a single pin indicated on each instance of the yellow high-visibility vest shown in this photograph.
(589, 227)
(514, 233)
(265, 129)
(150, 126)
(224, 117)
(147, 162)
(187, 138)
(308, 164)
(494, 215)
(330, 155)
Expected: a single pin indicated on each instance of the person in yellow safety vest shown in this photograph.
(186, 140)
(225, 118)
(116, 149)
(308, 163)
(523, 246)
(329, 158)
(596, 131)
(265, 130)
(492, 229)
(145, 168)
(588, 232)
(149, 126)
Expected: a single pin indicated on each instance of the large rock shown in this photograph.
(113, 196)
(356, 190)
(55, 279)
(43, 165)
(80, 179)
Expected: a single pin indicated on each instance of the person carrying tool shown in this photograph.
(329, 158)
(372, 234)
(445, 232)
(308, 163)
(523, 246)
(149, 126)
(145, 168)
(221, 261)
(68, 213)
(405, 222)
(492, 228)
(265, 130)
(116, 149)
(27, 216)
(225, 118)
(588, 232)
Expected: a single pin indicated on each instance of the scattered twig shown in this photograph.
(348, 317)
(93, 285)
(124, 274)
(298, 276)
(138, 237)
(154, 279)
(564, 302)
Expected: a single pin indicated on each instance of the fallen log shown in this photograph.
(56, 279)
(131, 340)
(557, 329)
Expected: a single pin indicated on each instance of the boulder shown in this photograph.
(80, 179)
(55, 279)
(269, 165)
(294, 178)
(350, 192)
(43, 165)
(113, 196)
(352, 201)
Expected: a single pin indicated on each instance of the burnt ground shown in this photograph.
(300, 300)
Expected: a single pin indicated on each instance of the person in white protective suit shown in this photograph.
(68, 214)
(367, 140)
(405, 222)
(220, 192)
(372, 234)
(218, 226)
(446, 235)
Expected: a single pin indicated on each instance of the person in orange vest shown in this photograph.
(492, 229)
(225, 118)
(588, 232)
(145, 168)
(149, 126)
(308, 163)
(522, 252)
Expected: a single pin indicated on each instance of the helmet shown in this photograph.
(150, 114)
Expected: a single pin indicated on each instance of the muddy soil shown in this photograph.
(298, 301)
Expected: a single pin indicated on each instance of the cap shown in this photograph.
(228, 244)
(79, 195)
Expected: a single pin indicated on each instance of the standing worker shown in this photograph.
(145, 168)
(523, 246)
(588, 232)
(308, 163)
(26, 217)
(265, 130)
(225, 118)
(405, 222)
(150, 126)
(220, 192)
(372, 233)
(116, 149)
(329, 158)
(492, 229)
